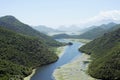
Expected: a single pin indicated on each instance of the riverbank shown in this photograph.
(59, 52)
(80, 40)
(75, 70)
(29, 77)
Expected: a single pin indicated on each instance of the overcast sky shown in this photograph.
(54, 13)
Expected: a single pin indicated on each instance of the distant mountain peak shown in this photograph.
(12, 23)
(9, 18)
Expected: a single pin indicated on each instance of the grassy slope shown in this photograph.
(105, 52)
(19, 54)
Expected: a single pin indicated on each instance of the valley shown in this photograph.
(59, 40)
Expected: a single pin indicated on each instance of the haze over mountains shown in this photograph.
(45, 29)
(103, 17)
(91, 32)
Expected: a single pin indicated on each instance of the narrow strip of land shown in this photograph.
(60, 51)
(75, 70)
(80, 40)
(28, 77)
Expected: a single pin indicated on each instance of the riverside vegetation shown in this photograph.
(22, 49)
(105, 54)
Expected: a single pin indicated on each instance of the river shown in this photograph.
(70, 53)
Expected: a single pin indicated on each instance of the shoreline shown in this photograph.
(80, 40)
(59, 52)
(74, 70)
(29, 76)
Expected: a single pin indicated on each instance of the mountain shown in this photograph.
(97, 31)
(91, 32)
(19, 54)
(45, 29)
(105, 54)
(11, 23)
(61, 36)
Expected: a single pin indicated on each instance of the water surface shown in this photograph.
(70, 53)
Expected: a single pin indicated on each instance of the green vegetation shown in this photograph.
(13, 24)
(92, 34)
(59, 50)
(80, 40)
(19, 54)
(105, 52)
(61, 36)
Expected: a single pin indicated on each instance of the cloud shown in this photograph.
(103, 17)
(115, 15)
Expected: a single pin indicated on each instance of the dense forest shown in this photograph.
(105, 54)
(20, 53)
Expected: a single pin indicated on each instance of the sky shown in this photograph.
(54, 13)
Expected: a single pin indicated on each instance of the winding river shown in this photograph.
(70, 53)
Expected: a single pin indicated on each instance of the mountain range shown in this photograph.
(91, 32)
(97, 31)
(45, 29)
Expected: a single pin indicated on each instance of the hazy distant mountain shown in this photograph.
(45, 29)
(97, 31)
(91, 32)
(71, 28)
(11, 23)
(84, 26)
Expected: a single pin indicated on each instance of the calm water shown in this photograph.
(70, 53)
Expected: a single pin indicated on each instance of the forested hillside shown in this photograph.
(20, 53)
(105, 52)
(61, 36)
(13, 24)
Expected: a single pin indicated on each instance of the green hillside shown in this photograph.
(92, 34)
(61, 36)
(19, 54)
(105, 52)
(13, 24)
(98, 31)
